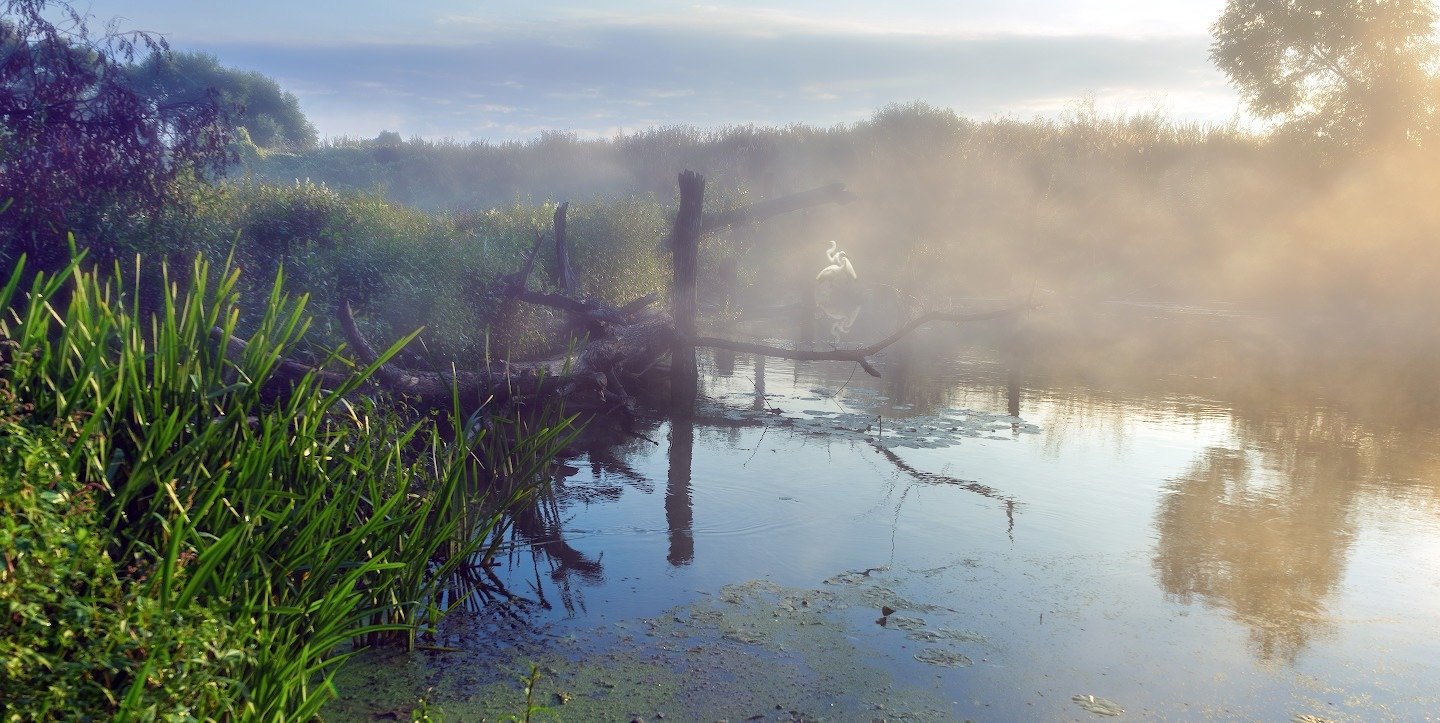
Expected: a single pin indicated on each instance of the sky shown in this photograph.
(502, 71)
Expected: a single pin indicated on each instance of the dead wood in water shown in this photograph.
(595, 377)
(619, 349)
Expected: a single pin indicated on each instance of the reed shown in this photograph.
(311, 518)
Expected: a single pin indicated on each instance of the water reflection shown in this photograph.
(758, 403)
(724, 362)
(1261, 524)
(1270, 552)
(978, 488)
(679, 515)
(1184, 468)
(542, 534)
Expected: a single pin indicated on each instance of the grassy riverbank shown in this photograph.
(188, 536)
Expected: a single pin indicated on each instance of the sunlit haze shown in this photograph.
(500, 71)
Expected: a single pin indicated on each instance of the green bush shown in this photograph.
(76, 637)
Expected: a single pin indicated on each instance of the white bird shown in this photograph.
(837, 293)
(839, 268)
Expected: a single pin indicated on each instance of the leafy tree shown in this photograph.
(80, 150)
(1350, 72)
(270, 115)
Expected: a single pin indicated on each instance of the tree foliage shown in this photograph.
(1352, 72)
(270, 115)
(80, 149)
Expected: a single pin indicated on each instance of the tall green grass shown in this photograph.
(307, 516)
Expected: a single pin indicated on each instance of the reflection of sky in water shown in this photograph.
(1179, 555)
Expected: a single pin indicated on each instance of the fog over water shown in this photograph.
(1196, 473)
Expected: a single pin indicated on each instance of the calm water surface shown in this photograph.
(1216, 525)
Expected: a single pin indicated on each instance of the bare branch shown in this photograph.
(762, 210)
(858, 355)
(516, 282)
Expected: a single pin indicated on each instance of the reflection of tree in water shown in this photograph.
(1270, 547)
(541, 529)
(679, 510)
(604, 446)
(911, 376)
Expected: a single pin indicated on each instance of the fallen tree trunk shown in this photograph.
(593, 377)
(601, 373)
(617, 349)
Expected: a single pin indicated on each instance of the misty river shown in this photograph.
(1172, 512)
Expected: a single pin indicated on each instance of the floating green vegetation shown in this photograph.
(937, 430)
(751, 650)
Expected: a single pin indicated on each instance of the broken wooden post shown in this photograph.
(684, 378)
(564, 274)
